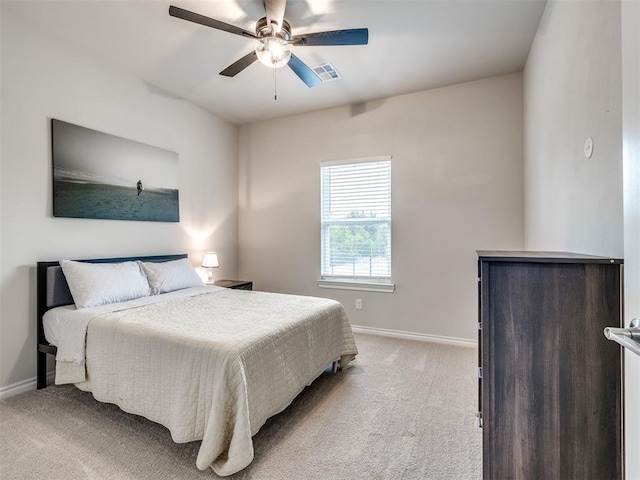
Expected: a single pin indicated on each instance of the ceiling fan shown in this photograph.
(274, 41)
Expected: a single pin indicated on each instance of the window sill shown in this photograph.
(357, 285)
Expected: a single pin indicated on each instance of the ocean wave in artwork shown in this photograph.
(81, 198)
(76, 176)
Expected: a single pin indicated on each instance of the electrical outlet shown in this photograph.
(358, 304)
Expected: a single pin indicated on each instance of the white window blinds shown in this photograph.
(356, 220)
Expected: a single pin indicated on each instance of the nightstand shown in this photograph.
(236, 284)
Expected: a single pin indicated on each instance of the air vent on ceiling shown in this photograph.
(327, 72)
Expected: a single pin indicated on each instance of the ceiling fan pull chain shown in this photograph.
(275, 84)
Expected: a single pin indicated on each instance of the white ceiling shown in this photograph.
(413, 45)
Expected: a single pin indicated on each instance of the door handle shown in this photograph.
(627, 337)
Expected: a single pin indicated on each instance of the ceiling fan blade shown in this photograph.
(305, 73)
(354, 36)
(236, 67)
(208, 22)
(275, 12)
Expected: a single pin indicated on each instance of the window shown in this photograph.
(356, 221)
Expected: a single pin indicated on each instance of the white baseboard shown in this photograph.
(23, 386)
(423, 337)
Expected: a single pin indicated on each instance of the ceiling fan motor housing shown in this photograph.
(263, 29)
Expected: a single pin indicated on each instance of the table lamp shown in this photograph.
(210, 261)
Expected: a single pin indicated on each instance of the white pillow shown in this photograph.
(166, 277)
(93, 284)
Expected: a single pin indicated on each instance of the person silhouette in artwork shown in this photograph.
(139, 186)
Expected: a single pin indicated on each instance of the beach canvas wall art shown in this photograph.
(97, 175)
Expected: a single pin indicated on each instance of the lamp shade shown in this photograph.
(210, 260)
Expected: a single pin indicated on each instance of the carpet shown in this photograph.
(405, 410)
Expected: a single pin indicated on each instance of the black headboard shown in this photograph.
(53, 291)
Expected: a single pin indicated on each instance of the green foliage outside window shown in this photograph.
(353, 242)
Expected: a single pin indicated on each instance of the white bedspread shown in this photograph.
(66, 328)
(215, 366)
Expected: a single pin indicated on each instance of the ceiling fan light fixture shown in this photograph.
(273, 51)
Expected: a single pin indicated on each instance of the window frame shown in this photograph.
(356, 282)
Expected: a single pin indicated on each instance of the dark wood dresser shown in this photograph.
(550, 383)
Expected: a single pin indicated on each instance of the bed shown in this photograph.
(208, 363)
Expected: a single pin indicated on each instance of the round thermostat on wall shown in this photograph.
(588, 147)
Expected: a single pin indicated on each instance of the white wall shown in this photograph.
(631, 138)
(457, 187)
(2, 335)
(572, 91)
(43, 80)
